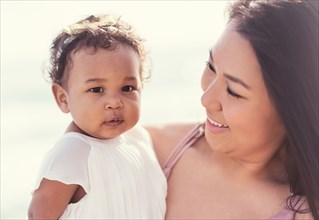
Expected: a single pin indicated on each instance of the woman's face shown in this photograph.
(241, 119)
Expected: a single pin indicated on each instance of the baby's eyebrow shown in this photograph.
(95, 80)
(127, 78)
(130, 78)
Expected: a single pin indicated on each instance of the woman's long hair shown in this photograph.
(284, 35)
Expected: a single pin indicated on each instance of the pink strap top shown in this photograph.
(183, 145)
(197, 132)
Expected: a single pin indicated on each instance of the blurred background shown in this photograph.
(178, 33)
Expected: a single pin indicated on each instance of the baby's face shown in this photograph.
(104, 90)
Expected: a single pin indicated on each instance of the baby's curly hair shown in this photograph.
(98, 32)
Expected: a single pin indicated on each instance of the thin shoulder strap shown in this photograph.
(182, 146)
(286, 212)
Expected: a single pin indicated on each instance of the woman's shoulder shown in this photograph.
(306, 215)
(303, 216)
(165, 137)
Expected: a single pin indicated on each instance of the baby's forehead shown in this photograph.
(93, 49)
(122, 53)
(85, 51)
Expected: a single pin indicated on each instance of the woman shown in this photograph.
(258, 157)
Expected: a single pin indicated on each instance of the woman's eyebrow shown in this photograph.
(228, 76)
(211, 59)
(210, 55)
(236, 80)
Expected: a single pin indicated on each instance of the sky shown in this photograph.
(29, 26)
(169, 27)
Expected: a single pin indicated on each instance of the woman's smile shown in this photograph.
(216, 123)
(215, 127)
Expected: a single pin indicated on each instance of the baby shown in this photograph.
(104, 167)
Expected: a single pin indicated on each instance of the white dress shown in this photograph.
(121, 176)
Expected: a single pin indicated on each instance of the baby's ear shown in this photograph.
(61, 97)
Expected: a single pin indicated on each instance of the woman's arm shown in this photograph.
(51, 199)
(166, 137)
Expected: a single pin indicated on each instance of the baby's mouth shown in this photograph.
(114, 122)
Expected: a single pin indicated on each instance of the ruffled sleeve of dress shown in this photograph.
(67, 162)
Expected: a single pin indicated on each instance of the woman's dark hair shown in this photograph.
(97, 32)
(284, 35)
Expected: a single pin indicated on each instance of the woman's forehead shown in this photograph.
(233, 54)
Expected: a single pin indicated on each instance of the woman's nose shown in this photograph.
(113, 102)
(210, 98)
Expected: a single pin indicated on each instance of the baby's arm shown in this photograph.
(51, 199)
(63, 178)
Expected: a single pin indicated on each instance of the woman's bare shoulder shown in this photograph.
(304, 216)
(165, 137)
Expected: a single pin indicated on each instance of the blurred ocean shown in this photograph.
(179, 35)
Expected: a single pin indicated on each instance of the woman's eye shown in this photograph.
(97, 90)
(127, 88)
(210, 66)
(231, 93)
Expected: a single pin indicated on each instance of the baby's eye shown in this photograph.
(128, 89)
(97, 90)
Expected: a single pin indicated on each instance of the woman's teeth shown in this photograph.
(217, 124)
